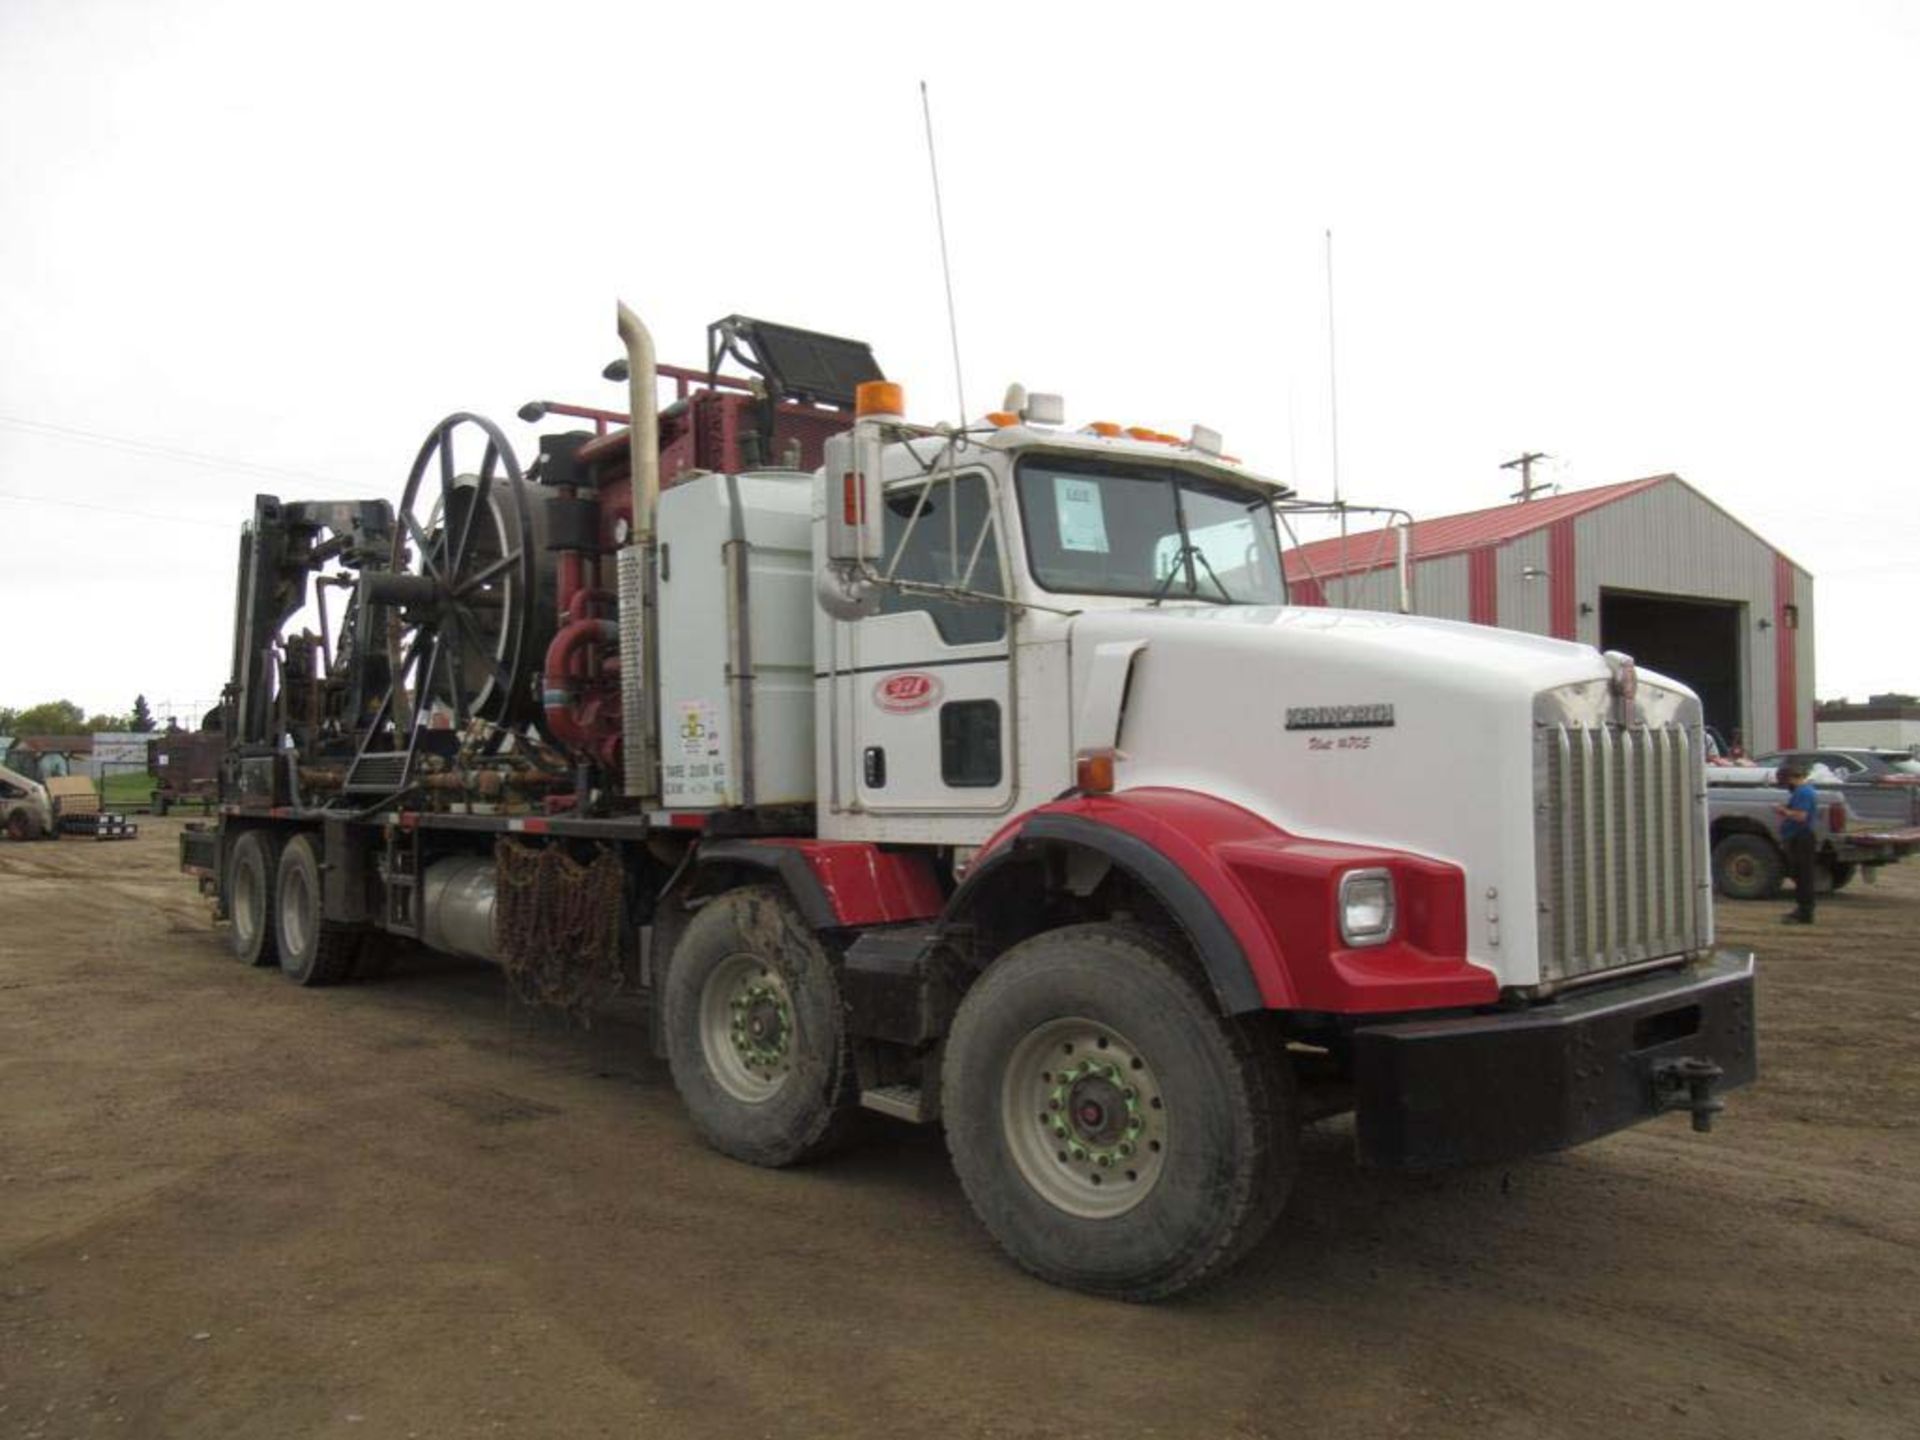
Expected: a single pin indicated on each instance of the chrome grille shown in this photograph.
(1619, 841)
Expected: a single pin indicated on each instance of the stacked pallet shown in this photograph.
(77, 810)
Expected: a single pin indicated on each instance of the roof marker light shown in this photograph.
(1001, 419)
(1104, 428)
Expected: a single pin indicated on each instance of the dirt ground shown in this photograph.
(229, 1207)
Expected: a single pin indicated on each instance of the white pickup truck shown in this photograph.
(1749, 860)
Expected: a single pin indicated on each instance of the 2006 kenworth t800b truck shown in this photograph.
(974, 776)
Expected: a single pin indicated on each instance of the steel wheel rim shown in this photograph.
(747, 1028)
(246, 901)
(1082, 1114)
(296, 914)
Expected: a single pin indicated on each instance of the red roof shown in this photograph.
(1453, 534)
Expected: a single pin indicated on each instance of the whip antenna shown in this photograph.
(946, 265)
(1333, 377)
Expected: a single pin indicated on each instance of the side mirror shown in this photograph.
(852, 477)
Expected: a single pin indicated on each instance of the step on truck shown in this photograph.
(977, 775)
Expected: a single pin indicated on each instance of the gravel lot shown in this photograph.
(231, 1207)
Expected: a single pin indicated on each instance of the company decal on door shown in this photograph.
(906, 692)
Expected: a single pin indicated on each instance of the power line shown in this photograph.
(178, 454)
(113, 510)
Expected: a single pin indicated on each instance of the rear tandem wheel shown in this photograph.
(252, 865)
(313, 949)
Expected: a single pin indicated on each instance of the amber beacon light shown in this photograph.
(879, 400)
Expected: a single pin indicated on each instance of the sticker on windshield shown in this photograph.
(1076, 506)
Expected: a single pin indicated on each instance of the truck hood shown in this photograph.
(1375, 729)
(1343, 724)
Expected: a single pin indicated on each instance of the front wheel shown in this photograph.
(755, 1032)
(1112, 1130)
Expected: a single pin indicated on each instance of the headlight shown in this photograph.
(1366, 907)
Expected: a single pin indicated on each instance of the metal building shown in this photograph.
(1883, 722)
(1651, 567)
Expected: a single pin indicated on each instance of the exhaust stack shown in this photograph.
(638, 573)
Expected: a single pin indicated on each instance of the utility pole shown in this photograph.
(1524, 464)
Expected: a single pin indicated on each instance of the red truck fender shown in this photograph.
(838, 884)
(1257, 904)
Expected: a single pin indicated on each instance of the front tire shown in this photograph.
(313, 949)
(755, 1031)
(1112, 1130)
(1748, 867)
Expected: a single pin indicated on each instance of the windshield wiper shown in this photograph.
(1201, 556)
(1190, 552)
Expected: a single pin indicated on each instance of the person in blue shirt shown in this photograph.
(1796, 829)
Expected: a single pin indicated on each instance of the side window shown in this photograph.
(951, 541)
(970, 744)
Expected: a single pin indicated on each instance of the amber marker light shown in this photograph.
(879, 400)
(1093, 771)
(1001, 419)
(1105, 429)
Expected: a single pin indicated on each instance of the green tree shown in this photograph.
(55, 717)
(142, 717)
(96, 723)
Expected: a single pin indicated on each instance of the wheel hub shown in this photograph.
(1083, 1117)
(747, 1030)
(762, 1024)
(1100, 1113)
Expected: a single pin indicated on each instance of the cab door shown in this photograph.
(925, 684)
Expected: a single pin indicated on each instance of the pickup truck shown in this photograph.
(1743, 824)
(1882, 786)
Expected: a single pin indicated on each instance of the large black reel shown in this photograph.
(462, 586)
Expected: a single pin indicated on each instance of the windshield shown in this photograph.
(1901, 764)
(1097, 528)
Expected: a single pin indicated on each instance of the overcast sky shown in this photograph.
(264, 247)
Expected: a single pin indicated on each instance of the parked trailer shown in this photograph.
(185, 766)
(974, 776)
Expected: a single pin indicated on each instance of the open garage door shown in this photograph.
(1696, 641)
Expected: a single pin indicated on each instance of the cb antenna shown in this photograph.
(946, 265)
(1333, 376)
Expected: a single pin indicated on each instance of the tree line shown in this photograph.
(63, 717)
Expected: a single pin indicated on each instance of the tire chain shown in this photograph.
(559, 924)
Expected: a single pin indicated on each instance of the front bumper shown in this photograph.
(1479, 1088)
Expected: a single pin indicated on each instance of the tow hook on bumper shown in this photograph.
(1686, 1083)
(1487, 1087)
